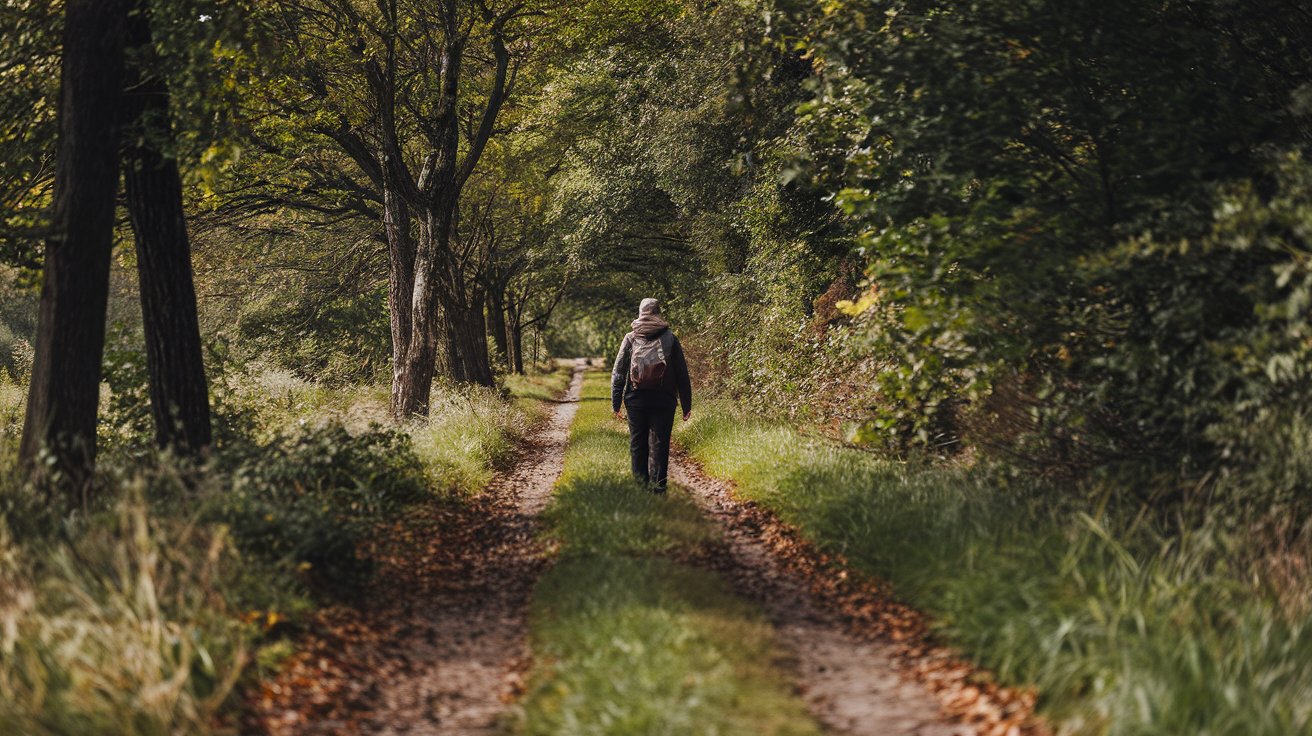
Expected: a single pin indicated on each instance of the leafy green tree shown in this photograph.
(410, 94)
(1000, 160)
(29, 77)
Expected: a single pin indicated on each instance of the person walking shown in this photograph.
(651, 378)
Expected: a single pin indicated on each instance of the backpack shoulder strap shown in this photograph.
(667, 342)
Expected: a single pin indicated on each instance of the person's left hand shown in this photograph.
(619, 415)
(687, 414)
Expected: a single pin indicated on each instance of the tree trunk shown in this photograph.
(437, 186)
(414, 383)
(400, 290)
(455, 362)
(434, 197)
(517, 346)
(179, 393)
(70, 340)
(514, 317)
(496, 315)
(478, 338)
(469, 334)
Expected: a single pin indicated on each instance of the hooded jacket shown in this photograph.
(676, 387)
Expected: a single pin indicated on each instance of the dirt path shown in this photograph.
(860, 659)
(469, 645)
(439, 647)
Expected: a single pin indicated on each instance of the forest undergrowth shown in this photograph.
(144, 614)
(1124, 623)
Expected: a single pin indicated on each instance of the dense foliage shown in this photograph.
(1092, 206)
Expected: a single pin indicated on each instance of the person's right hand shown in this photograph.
(619, 415)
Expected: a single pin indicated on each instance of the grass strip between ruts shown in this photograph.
(627, 641)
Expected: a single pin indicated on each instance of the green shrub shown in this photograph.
(1141, 277)
(18, 317)
(13, 403)
(126, 425)
(308, 498)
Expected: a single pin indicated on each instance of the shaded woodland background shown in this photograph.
(1054, 256)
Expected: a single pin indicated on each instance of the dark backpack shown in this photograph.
(649, 360)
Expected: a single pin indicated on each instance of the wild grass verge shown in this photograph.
(140, 616)
(126, 628)
(1124, 629)
(539, 383)
(626, 641)
(471, 431)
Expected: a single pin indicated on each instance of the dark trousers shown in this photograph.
(649, 443)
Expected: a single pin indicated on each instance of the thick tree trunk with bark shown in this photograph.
(415, 380)
(467, 327)
(70, 340)
(436, 192)
(478, 337)
(455, 365)
(421, 284)
(179, 393)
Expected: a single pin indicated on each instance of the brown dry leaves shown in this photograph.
(868, 611)
(444, 552)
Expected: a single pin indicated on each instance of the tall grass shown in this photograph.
(274, 400)
(1124, 628)
(471, 431)
(539, 384)
(139, 617)
(467, 434)
(125, 629)
(627, 641)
